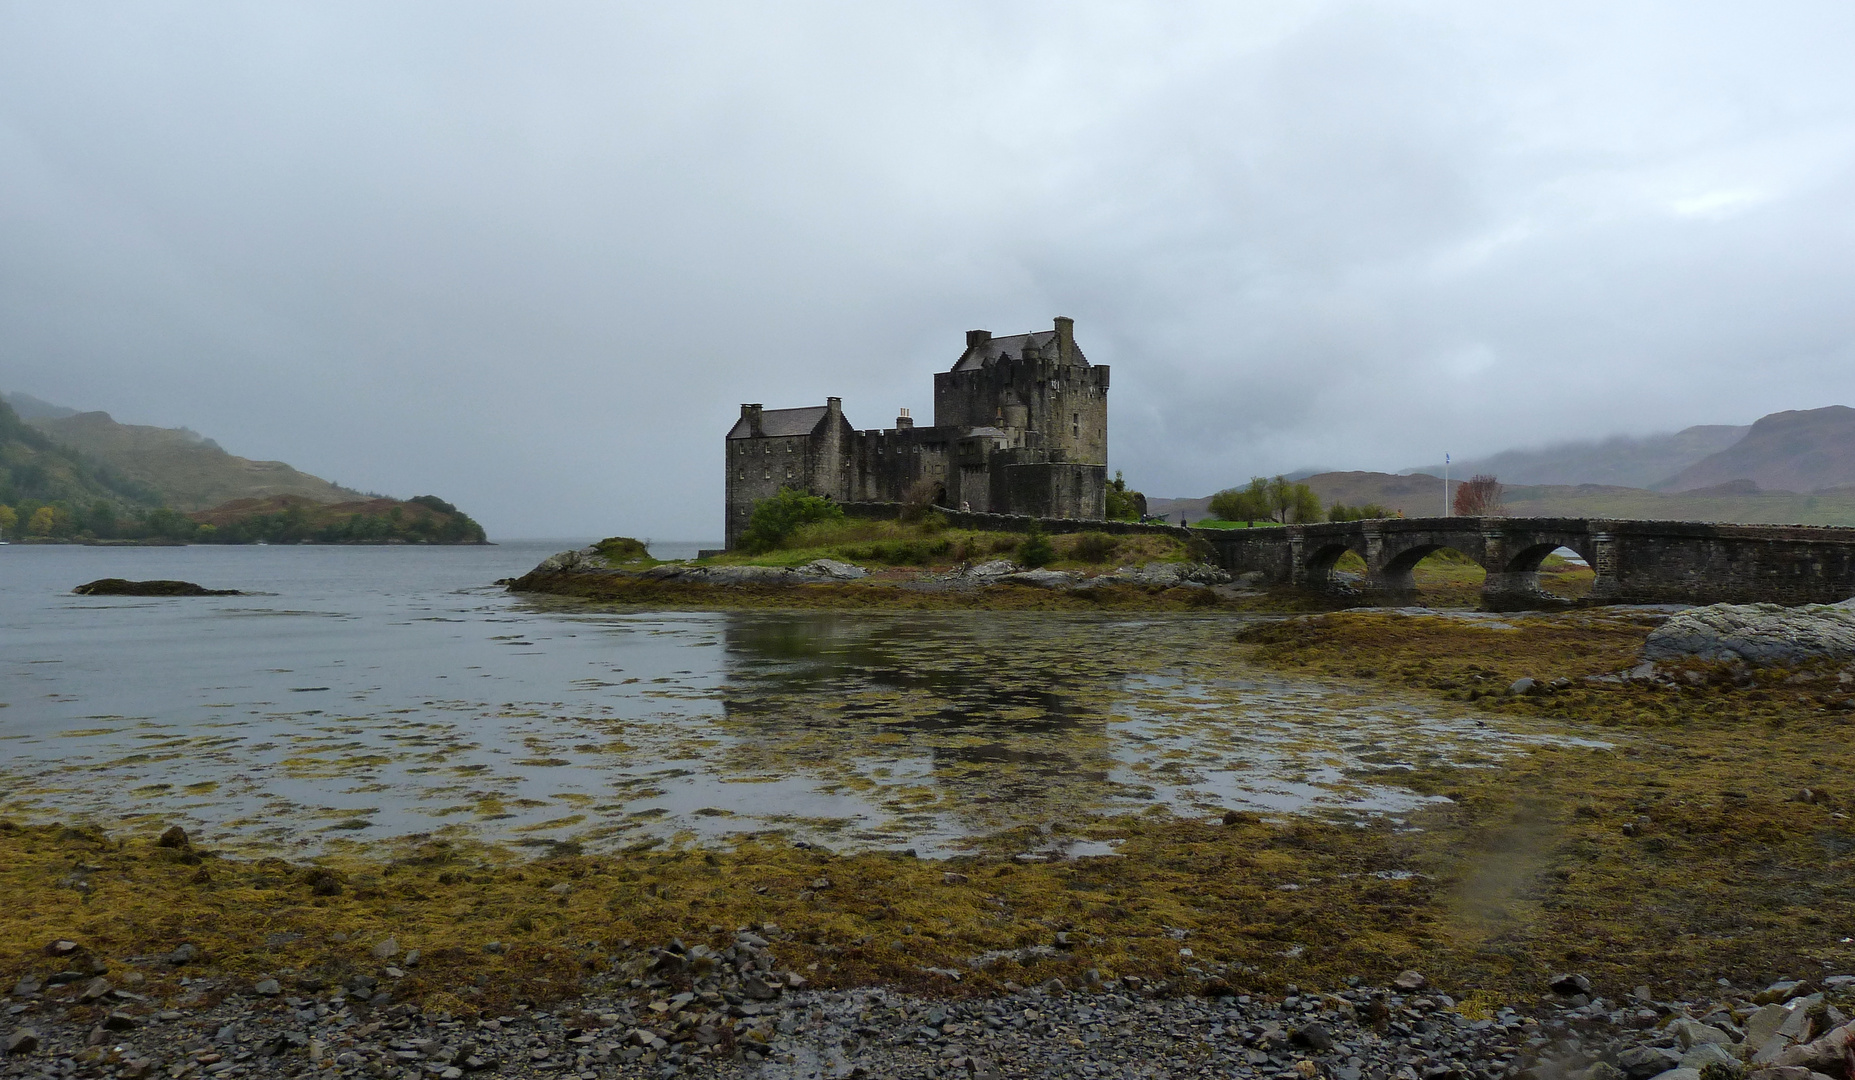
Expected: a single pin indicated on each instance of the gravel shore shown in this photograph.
(216, 1028)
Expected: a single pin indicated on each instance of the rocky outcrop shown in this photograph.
(592, 560)
(1758, 634)
(115, 586)
(608, 572)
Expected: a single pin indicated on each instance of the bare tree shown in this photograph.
(1479, 496)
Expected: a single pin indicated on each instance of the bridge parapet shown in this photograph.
(1634, 561)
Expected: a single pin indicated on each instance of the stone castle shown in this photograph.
(1020, 427)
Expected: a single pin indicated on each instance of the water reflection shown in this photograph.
(379, 704)
(967, 723)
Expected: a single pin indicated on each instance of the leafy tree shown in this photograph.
(774, 520)
(1124, 505)
(41, 522)
(1363, 512)
(1246, 504)
(1279, 499)
(1293, 501)
(1478, 496)
(9, 517)
(1036, 549)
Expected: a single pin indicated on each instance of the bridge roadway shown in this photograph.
(1637, 562)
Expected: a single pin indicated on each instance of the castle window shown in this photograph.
(1075, 423)
(788, 472)
(766, 474)
(740, 474)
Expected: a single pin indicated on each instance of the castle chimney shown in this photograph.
(751, 414)
(976, 338)
(903, 420)
(834, 406)
(1065, 340)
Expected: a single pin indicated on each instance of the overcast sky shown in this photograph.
(531, 257)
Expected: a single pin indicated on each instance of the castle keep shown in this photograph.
(1020, 427)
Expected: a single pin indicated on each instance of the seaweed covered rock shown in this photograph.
(1760, 634)
(113, 586)
(1166, 575)
(612, 553)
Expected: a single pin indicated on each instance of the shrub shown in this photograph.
(1198, 549)
(1094, 547)
(1478, 496)
(622, 549)
(1035, 549)
(918, 500)
(1122, 504)
(775, 520)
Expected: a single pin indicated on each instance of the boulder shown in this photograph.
(1830, 1054)
(1042, 579)
(832, 570)
(1569, 984)
(1691, 1033)
(1643, 1062)
(1165, 575)
(739, 575)
(1759, 634)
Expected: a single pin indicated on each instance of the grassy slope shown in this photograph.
(32, 466)
(190, 472)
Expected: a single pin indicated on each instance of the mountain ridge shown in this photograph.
(190, 471)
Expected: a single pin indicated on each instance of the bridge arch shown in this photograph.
(1515, 584)
(1396, 575)
(1319, 558)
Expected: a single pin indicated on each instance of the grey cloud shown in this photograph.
(531, 258)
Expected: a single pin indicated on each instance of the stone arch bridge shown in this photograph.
(1642, 562)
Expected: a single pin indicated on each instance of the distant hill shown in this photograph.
(188, 470)
(69, 476)
(1619, 461)
(30, 408)
(1421, 495)
(33, 468)
(1803, 451)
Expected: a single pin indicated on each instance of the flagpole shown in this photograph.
(1446, 506)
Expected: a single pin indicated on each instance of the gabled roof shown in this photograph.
(1038, 343)
(778, 422)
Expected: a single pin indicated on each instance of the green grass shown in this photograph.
(881, 544)
(1219, 523)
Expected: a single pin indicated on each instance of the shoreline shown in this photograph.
(757, 997)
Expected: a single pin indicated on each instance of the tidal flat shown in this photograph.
(954, 802)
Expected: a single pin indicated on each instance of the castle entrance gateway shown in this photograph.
(1020, 427)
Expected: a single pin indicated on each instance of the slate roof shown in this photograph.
(778, 422)
(1041, 341)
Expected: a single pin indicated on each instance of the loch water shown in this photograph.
(368, 693)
